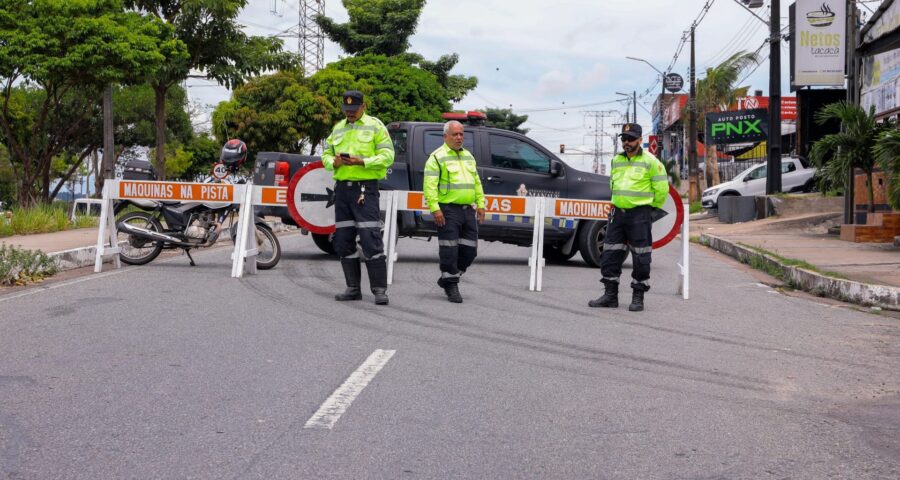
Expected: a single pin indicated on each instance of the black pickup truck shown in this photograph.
(509, 164)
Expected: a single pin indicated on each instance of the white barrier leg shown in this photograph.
(245, 223)
(390, 234)
(540, 221)
(684, 266)
(251, 245)
(536, 254)
(106, 232)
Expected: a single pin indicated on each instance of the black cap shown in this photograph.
(632, 130)
(352, 100)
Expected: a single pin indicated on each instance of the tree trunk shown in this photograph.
(712, 164)
(160, 162)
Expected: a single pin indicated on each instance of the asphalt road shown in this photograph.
(169, 371)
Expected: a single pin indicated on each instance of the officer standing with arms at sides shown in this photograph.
(639, 185)
(454, 195)
(359, 151)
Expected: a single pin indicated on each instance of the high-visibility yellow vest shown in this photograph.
(640, 180)
(452, 177)
(367, 138)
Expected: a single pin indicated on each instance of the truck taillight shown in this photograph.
(281, 173)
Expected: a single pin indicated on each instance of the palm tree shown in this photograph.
(887, 152)
(854, 147)
(716, 92)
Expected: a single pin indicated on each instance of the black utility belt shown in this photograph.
(357, 183)
(633, 209)
(455, 205)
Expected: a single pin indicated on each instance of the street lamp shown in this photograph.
(662, 94)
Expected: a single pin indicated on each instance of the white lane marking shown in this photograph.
(43, 288)
(339, 401)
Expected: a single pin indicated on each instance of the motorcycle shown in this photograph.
(147, 227)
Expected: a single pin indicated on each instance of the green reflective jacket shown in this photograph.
(452, 177)
(640, 180)
(367, 138)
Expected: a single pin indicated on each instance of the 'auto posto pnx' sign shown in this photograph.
(741, 126)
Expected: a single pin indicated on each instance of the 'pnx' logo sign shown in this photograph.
(740, 127)
(737, 127)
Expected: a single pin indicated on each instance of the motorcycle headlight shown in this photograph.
(710, 192)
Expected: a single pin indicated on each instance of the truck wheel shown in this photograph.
(590, 242)
(323, 241)
(553, 254)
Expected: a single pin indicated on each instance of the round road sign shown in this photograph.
(311, 198)
(674, 82)
(219, 171)
(666, 228)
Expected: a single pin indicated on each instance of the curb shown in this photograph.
(865, 294)
(85, 256)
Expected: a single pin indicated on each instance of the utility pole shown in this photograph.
(634, 105)
(773, 165)
(109, 144)
(693, 169)
(852, 98)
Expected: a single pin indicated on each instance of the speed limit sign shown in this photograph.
(219, 171)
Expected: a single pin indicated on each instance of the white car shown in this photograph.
(796, 176)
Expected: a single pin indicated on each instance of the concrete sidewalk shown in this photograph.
(863, 273)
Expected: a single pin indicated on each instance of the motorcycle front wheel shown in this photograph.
(136, 250)
(268, 248)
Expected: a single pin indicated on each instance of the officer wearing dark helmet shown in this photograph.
(359, 152)
(639, 185)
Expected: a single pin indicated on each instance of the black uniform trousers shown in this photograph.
(352, 218)
(628, 229)
(457, 239)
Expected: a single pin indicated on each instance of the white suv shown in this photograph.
(796, 176)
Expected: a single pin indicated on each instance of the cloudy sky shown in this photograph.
(554, 61)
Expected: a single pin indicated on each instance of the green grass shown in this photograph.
(790, 262)
(42, 219)
(696, 207)
(18, 266)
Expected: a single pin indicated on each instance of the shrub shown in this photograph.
(19, 266)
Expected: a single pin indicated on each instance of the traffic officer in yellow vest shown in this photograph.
(454, 195)
(359, 151)
(639, 186)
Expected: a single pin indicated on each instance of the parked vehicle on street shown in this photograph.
(796, 176)
(146, 228)
(509, 163)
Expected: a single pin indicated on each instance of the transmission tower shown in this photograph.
(600, 117)
(311, 41)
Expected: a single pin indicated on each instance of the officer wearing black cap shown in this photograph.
(359, 151)
(639, 185)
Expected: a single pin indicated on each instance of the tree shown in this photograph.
(457, 86)
(276, 112)
(505, 118)
(854, 147)
(377, 27)
(887, 152)
(216, 45)
(383, 27)
(57, 56)
(394, 89)
(716, 92)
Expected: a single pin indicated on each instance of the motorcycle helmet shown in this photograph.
(234, 153)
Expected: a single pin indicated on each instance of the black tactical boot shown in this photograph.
(352, 274)
(610, 298)
(377, 270)
(637, 301)
(451, 288)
